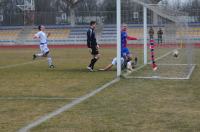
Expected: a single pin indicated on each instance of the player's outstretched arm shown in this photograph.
(131, 38)
(108, 67)
(35, 36)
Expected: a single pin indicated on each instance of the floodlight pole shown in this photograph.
(145, 33)
(118, 37)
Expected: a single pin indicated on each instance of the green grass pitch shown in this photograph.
(30, 90)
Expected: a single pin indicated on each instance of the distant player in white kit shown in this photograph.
(41, 35)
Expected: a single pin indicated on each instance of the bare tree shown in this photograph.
(192, 8)
(71, 5)
(154, 1)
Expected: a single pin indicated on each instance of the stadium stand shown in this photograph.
(8, 36)
(77, 34)
(55, 33)
(108, 34)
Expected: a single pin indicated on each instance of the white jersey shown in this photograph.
(42, 36)
(114, 61)
(43, 42)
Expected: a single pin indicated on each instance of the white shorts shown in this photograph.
(114, 61)
(44, 49)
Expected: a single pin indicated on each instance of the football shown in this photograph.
(175, 53)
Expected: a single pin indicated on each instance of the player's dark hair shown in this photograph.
(39, 27)
(92, 23)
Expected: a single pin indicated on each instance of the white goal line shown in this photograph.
(127, 75)
(164, 78)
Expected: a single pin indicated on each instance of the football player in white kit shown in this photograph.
(113, 63)
(126, 61)
(41, 35)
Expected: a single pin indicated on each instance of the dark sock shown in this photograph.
(93, 61)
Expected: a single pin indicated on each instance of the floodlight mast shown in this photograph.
(118, 37)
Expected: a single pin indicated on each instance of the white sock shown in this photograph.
(49, 61)
(39, 55)
(129, 65)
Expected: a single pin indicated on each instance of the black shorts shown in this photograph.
(95, 51)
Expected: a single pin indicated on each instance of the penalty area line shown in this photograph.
(66, 107)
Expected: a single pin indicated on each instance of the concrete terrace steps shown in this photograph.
(77, 35)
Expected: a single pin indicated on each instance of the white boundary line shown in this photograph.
(160, 77)
(75, 102)
(175, 64)
(191, 70)
(126, 74)
(167, 78)
(21, 64)
(66, 107)
(36, 98)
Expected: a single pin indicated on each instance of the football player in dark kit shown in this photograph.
(160, 34)
(92, 45)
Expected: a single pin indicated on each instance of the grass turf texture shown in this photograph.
(70, 79)
(130, 105)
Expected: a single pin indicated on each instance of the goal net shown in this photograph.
(169, 47)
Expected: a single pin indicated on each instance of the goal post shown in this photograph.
(118, 38)
(145, 33)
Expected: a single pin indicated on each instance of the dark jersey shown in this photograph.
(160, 33)
(151, 32)
(91, 38)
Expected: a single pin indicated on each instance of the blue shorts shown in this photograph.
(125, 51)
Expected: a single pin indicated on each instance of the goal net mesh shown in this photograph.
(173, 50)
